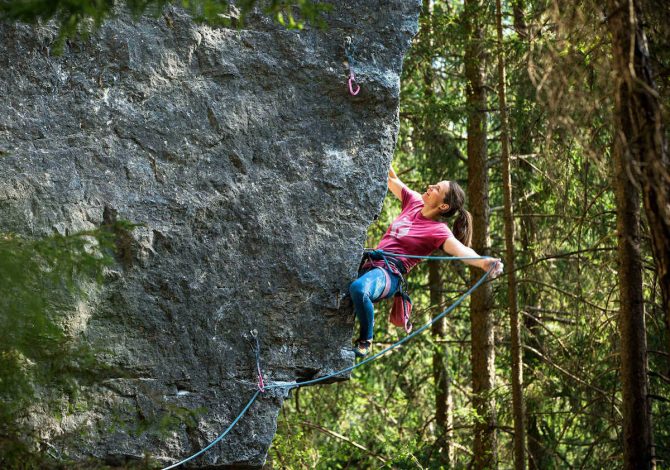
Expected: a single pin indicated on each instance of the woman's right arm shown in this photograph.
(394, 183)
(456, 248)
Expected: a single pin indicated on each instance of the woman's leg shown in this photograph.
(364, 291)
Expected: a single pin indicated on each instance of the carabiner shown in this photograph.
(352, 79)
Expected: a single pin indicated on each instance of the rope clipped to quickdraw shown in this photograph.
(256, 347)
(349, 50)
(218, 439)
(287, 386)
(257, 351)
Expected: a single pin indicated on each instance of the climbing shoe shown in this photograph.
(362, 348)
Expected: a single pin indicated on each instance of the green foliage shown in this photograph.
(41, 283)
(83, 16)
(46, 366)
(560, 107)
(39, 279)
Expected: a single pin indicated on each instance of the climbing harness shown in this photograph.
(401, 308)
(261, 387)
(349, 50)
(391, 260)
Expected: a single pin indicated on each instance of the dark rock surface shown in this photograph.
(255, 174)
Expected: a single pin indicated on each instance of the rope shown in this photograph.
(221, 436)
(257, 350)
(262, 387)
(439, 258)
(394, 345)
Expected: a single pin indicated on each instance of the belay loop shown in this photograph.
(349, 50)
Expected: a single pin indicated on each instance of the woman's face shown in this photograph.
(435, 194)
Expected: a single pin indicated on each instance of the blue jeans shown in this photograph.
(366, 290)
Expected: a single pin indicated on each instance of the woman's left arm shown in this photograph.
(456, 248)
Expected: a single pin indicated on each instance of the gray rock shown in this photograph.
(255, 174)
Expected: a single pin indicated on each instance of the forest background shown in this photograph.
(551, 115)
(446, 399)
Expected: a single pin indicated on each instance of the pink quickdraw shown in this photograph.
(261, 384)
(352, 80)
(349, 49)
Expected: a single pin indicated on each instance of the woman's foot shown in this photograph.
(362, 347)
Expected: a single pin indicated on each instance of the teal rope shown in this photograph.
(394, 345)
(440, 258)
(221, 436)
(350, 368)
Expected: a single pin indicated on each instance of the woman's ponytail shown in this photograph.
(462, 228)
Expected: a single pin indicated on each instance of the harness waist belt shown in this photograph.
(375, 255)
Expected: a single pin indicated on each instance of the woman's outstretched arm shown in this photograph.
(456, 248)
(394, 183)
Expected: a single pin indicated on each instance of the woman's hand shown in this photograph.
(394, 183)
(392, 173)
(494, 264)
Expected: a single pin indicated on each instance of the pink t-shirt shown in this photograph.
(411, 233)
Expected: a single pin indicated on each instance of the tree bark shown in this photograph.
(636, 425)
(639, 120)
(483, 352)
(634, 150)
(517, 364)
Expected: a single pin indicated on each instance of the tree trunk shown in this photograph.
(443, 401)
(636, 419)
(517, 364)
(443, 411)
(640, 121)
(520, 25)
(483, 352)
(537, 455)
(638, 152)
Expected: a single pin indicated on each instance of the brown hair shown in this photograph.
(462, 227)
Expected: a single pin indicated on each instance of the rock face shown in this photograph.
(255, 175)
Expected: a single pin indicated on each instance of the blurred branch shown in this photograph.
(343, 438)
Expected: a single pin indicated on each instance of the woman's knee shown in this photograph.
(357, 289)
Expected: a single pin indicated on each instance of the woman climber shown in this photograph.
(418, 230)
